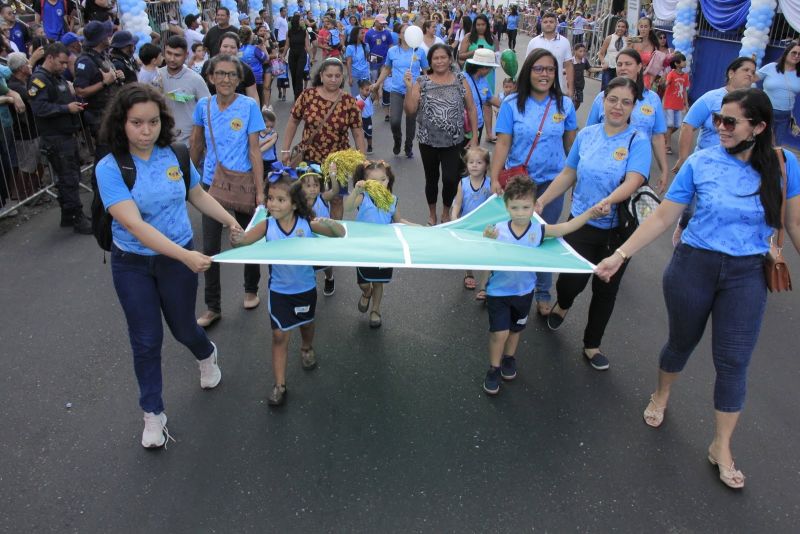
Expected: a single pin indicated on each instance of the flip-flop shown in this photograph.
(469, 282)
(363, 302)
(375, 323)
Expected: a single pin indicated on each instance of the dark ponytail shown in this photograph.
(757, 107)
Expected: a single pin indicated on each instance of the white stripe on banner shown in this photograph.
(406, 250)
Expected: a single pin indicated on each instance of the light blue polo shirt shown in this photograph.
(511, 283)
(360, 65)
(231, 130)
(647, 116)
(548, 158)
(159, 193)
(512, 21)
(369, 212)
(729, 216)
(781, 87)
(290, 279)
(601, 163)
(699, 116)
(399, 60)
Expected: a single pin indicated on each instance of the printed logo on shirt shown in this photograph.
(59, 13)
(523, 321)
(621, 153)
(236, 125)
(378, 41)
(81, 66)
(647, 110)
(301, 309)
(174, 173)
(299, 232)
(559, 117)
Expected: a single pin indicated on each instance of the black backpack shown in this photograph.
(101, 219)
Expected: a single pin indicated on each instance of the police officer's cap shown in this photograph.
(95, 32)
(123, 39)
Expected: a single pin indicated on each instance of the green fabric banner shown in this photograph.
(458, 245)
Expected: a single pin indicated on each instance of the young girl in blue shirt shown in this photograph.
(372, 279)
(153, 261)
(718, 268)
(472, 191)
(511, 292)
(320, 203)
(292, 288)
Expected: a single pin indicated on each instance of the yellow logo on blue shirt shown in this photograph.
(299, 232)
(621, 153)
(236, 125)
(559, 117)
(174, 173)
(647, 110)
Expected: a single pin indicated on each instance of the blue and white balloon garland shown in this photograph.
(756, 33)
(189, 7)
(685, 28)
(134, 19)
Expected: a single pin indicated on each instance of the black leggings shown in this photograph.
(512, 38)
(297, 65)
(450, 160)
(594, 244)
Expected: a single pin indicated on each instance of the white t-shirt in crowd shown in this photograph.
(282, 27)
(192, 37)
(560, 47)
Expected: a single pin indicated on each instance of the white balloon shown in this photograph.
(413, 36)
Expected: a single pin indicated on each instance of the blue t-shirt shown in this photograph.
(231, 130)
(290, 279)
(510, 283)
(480, 94)
(781, 87)
(378, 43)
(647, 116)
(548, 158)
(729, 216)
(699, 116)
(369, 212)
(321, 208)
(255, 58)
(270, 154)
(601, 163)
(400, 60)
(512, 21)
(366, 113)
(360, 65)
(159, 193)
(53, 19)
(18, 32)
(471, 198)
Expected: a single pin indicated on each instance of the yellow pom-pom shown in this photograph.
(380, 195)
(345, 162)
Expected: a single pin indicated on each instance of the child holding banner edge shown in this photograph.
(292, 288)
(510, 293)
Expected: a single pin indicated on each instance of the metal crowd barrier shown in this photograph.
(26, 176)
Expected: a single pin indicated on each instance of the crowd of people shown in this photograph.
(210, 89)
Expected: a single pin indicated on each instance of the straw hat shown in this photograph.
(483, 57)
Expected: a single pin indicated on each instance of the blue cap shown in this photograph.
(70, 37)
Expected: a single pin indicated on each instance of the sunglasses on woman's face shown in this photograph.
(728, 123)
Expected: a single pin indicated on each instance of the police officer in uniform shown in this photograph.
(123, 44)
(56, 113)
(95, 75)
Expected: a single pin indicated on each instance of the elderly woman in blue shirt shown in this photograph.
(718, 268)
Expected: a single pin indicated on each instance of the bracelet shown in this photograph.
(286, 151)
(624, 256)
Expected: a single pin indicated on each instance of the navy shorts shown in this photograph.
(509, 313)
(365, 275)
(290, 311)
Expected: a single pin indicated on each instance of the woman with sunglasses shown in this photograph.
(538, 93)
(717, 269)
(648, 114)
(607, 162)
(782, 85)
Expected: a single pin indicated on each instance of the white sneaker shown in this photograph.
(210, 374)
(155, 433)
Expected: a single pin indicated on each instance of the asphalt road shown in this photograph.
(392, 432)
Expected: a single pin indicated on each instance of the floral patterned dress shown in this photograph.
(311, 109)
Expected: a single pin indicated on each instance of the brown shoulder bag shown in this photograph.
(775, 268)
